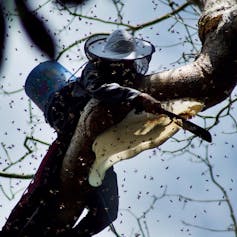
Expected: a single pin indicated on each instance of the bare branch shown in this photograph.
(16, 176)
(216, 61)
(222, 189)
(160, 19)
(206, 161)
(144, 214)
(181, 197)
(120, 23)
(29, 151)
(207, 228)
(223, 112)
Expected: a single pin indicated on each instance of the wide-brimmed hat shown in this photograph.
(119, 45)
(44, 81)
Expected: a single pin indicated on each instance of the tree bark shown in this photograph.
(213, 75)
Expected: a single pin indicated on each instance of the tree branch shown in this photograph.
(16, 176)
(203, 79)
(160, 19)
(226, 198)
(120, 23)
(29, 151)
(207, 228)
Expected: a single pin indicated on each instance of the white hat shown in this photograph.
(120, 45)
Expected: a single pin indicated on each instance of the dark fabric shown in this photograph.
(103, 207)
(38, 193)
(65, 109)
(33, 215)
(141, 65)
(108, 83)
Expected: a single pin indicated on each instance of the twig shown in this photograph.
(207, 228)
(29, 151)
(71, 46)
(206, 161)
(12, 194)
(195, 200)
(160, 19)
(93, 18)
(222, 189)
(41, 5)
(16, 176)
(220, 113)
(128, 26)
(4, 92)
(119, 10)
(151, 207)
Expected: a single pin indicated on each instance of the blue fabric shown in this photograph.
(44, 81)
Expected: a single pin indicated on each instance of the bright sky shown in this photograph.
(149, 173)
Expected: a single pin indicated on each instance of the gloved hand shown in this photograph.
(147, 103)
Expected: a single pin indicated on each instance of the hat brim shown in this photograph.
(96, 44)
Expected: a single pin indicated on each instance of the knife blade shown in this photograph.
(187, 125)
